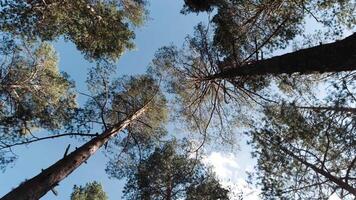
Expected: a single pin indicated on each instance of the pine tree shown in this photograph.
(131, 104)
(91, 191)
(34, 94)
(33, 91)
(100, 29)
(167, 174)
(305, 154)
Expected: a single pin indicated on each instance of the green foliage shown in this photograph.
(237, 36)
(292, 141)
(199, 5)
(208, 189)
(113, 100)
(34, 94)
(150, 127)
(203, 102)
(91, 191)
(240, 26)
(167, 174)
(139, 91)
(243, 32)
(100, 29)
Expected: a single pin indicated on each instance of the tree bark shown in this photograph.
(333, 57)
(39, 185)
(169, 188)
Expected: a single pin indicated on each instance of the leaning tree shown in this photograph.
(225, 64)
(34, 93)
(305, 153)
(132, 105)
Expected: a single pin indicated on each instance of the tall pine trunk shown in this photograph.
(45, 181)
(339, 182)
(333, 57)
(169, 187)
(329, 108)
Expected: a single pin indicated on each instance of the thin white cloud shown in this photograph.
(225, 165)
(334, 197)
(228, 170)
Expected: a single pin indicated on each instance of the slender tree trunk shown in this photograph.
(39, 185)
(169, 188)
(333, 57)
(329, 108)
(342, 184)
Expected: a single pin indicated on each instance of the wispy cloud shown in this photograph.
(232, 175)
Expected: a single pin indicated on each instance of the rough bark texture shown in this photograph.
(39, 185)
(333, 57)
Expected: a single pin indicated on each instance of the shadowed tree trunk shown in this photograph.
(39, 185)
(169, 188)
(329, 108)
(333, 57)
(342, 184)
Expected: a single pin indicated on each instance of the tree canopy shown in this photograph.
(34, 94)
(91, 191)
(168, 174)
(224, 79)
(306, 154)
(100, 29)
(33, 91)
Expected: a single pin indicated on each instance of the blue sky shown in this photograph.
(165, 26)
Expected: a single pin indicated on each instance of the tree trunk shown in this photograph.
(337, 181)
(169, 188)
(333, 57)
(45, 181)
(329, 108)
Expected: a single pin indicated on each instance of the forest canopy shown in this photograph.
(277, 75)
